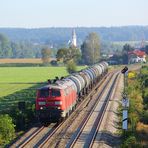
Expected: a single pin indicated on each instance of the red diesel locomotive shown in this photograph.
(55, 101)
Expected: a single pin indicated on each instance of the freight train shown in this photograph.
(57, 100)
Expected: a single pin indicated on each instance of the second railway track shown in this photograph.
(85, 134)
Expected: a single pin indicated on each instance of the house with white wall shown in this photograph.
(137, 56)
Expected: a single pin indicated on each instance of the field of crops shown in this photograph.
(19, 83)
(21, 60)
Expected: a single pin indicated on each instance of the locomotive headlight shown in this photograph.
(41, 108)
(58, 102)
(42, 103)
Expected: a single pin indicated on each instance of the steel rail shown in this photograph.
(30, 137)
(85, 120)
(89, 142)
(62, 123)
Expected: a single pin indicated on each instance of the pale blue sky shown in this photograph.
(72, 13)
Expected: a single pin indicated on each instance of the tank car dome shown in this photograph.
(90, 74)
(69, 81)
(81, 80)
(99, 69)
(86, 77)
(93, 73)
(102, 66)
(77, 82)
(95, 70)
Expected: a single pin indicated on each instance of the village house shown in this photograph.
(137, 56)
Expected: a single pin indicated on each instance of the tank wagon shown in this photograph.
(56, 101)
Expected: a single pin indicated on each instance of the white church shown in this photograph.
(73, 41)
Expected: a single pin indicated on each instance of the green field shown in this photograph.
(14, 82)
(30, 74)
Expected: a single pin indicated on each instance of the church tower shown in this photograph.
(74, 38)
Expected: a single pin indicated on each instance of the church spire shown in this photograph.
(74, 38)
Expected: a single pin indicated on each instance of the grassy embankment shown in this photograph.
(137, 133)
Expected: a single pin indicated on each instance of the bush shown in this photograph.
(142, 132)
(71, 67)
(23, 119)
(145, 117)
(7, 131)
(54, 63)
(145, 96)
(130, 141)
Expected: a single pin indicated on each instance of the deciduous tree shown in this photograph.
(91, 49)
(46, 53)
(125, 50)
(67, 54)
(5, 48)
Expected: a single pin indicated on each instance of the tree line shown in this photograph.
(59, 36)
(27, 49)
(20, 49)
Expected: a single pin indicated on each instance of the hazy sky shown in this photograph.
(73, 13)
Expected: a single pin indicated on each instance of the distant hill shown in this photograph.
(61, 36)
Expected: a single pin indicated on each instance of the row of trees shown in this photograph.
(89, 53)
(22, 49)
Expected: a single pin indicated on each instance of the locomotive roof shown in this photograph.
(53, 86)
(61, 84)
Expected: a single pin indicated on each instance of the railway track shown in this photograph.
(63, 127)
(35, 137)
(45, 136)
(103, 110)
(84, 137)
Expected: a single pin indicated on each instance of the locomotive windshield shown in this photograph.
(44, 92)
(55, 93)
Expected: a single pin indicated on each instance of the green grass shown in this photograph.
(10, 75)
(31, 74)
(11, 92)
(7, 89)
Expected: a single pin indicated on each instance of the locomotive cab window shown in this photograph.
(55, 93)
(44, 92)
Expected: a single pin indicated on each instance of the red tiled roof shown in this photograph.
(137, 52)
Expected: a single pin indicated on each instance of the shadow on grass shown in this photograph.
(10, 102)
